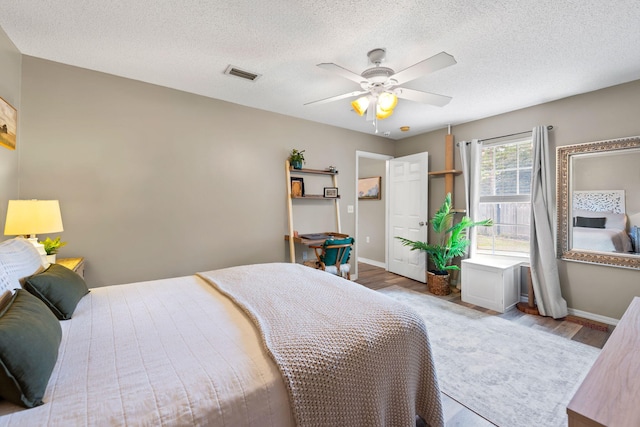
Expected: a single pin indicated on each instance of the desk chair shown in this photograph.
(333, 256)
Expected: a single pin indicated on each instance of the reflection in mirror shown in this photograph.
(599, 202)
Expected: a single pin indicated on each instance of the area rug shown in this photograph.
(510, 374)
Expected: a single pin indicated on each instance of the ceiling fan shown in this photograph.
(381, 85)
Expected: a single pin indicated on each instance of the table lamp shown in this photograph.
(31, 217)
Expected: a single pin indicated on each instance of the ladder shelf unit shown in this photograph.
(289, 171)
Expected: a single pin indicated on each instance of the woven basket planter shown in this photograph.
(438, 284)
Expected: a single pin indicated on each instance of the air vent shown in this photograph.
(243, 74)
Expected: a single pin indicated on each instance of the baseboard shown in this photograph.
(583, 314)
(372, 262)
(594, 317)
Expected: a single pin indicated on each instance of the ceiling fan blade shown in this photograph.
(429, 65)
(338, 97)
(343, 72)
(422, 97)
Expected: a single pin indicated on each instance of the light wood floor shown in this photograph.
(594, 333)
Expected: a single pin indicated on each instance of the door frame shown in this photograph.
(385, 158)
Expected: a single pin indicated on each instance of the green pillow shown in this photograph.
(29, 339)
(59, 288)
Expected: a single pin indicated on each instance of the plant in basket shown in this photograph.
(452, 241)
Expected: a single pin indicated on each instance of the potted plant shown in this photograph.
(296, 158)
(51, 247)
(452, 242)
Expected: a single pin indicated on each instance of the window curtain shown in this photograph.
(544, 266)
(471, 156)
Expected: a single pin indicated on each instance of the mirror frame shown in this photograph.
(563, 184)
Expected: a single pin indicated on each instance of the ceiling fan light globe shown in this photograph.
(382, 114)
(360, 105)
(387, 101)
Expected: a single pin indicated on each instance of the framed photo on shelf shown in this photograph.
(297, 187)
(369, 188)
(331, 192)
(8, 125)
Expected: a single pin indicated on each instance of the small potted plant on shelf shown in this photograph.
(296, 158)
(452, 242)
(51, 247)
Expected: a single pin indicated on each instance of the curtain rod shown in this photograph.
(512, 134)
(497, 137)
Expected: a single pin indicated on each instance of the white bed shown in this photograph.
(180, 352)
(601, 240)
(612, 238)
(600, 221)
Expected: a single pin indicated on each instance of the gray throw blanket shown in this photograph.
(349, 355)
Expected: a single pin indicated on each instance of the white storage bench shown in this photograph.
(491, 282)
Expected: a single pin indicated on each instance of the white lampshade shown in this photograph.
(31, 217)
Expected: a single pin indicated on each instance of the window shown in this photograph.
(505, 196)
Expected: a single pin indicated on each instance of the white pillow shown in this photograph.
(18, 259)
(617, 221)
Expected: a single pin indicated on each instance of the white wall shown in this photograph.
(604, 114)
(155, 182)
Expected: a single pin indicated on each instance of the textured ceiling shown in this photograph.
(510, 54)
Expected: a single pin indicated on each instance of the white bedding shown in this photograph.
(165, 352)
(612, 238)
(601, 239)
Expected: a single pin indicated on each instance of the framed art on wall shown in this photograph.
(8, 124)
(369, 188)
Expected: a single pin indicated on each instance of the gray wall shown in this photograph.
(619, 171)
(10, 73)
(371, 213)
(155, 182)
(604, 114)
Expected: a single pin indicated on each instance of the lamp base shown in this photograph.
(40, 248)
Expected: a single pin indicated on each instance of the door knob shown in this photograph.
(422, 223)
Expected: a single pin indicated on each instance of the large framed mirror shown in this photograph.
(598, 192)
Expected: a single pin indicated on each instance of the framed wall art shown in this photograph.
(369, 188)
(8, 125)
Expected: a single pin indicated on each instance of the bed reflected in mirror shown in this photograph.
(599, 202)
(599, 221)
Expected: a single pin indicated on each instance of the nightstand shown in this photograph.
(75, 264)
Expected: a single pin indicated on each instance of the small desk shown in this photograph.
(74, 264)
(311, 242)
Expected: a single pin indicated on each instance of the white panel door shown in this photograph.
(408, 195)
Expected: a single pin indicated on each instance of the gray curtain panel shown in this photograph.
(544, 266)
(471, 155)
